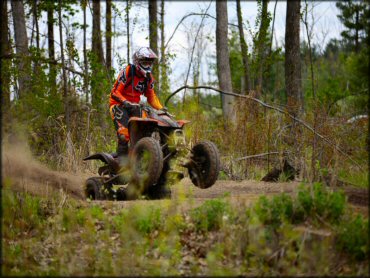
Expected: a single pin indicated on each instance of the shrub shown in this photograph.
(321, 202)
(209, 215)
(81, 216)
(320, 198)
(148, 219)
(97, 212)
(353, 237)
(305, 200)
(335, 206)
(275, 211)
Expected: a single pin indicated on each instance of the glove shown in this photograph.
(165, 110)
(128, 105)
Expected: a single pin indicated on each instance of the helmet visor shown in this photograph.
(146, 64)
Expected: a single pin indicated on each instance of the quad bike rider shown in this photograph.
(147, 140)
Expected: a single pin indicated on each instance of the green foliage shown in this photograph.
(354, 16)
(22, 213)
(217, 237)
(309, 203)
(343, 82)
(101, 81)
(330, 205)
(222, 176)
(81, 216)
(146, 220)
(236, 61)
(354, 177)
(96, 212)
(209, 216)
(353, 237)
(305, 200)
(274, 212)
(119, 221)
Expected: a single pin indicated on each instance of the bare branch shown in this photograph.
(43, 60)
(254, 156)
(186, 16)
(307, 126)
(192, 51)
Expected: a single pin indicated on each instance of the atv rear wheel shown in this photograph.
(94, 189)
(147, 163)
(205, 166)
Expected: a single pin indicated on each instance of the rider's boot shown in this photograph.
(122, 148)
(122, 152)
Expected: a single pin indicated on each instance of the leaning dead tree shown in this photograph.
(269, 106)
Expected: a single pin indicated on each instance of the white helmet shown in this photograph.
(143, 59)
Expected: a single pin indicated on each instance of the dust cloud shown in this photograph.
(22, 172)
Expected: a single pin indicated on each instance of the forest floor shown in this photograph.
(238, 192)
(66, 235)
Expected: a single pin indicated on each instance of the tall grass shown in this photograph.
(259, 130)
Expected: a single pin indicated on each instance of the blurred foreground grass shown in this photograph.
(312, 233)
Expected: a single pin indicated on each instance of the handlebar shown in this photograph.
(150, 109)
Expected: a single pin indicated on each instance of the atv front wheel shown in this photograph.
(147, 164)
(205, 166)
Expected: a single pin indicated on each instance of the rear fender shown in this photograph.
(104, 157)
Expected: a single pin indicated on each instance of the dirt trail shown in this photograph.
(27, 174)
(186, 196)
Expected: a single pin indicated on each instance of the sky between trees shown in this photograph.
(322, 19)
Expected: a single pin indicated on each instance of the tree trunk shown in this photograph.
(65, 90)
(272, 28)
(162, 59)
(357, 44)
(293, 82)
(34, 10)
(261, 43)
(223, 63)
(128, 29)
(84, 4)
(97, 86)
(153, 35)
(244, 48)
(21, 43)
(292, 59)
(4, 64)
(97, 45)
(164, 85)
(108, 33)
(51, 49)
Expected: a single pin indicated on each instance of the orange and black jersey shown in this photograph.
(129, 86)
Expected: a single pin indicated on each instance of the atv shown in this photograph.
(158, 156)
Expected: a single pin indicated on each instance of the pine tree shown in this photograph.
(353, 18)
